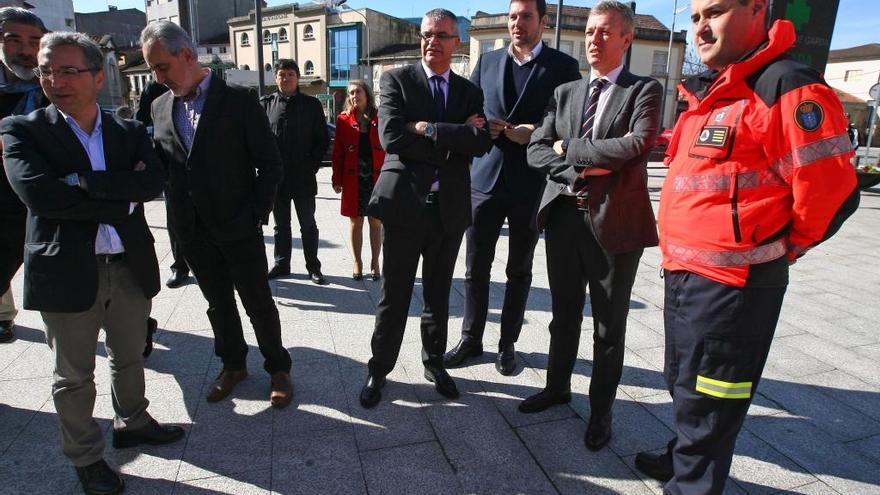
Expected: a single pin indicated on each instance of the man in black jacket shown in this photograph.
(300, 128)
(20, 93)
(90, 262)
(223, 168)
(502, 185)
(431, 127)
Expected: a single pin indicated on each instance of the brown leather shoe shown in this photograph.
(225, 382)
(281, 390)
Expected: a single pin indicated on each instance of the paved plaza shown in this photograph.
(814, 427)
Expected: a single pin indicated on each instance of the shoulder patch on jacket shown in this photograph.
(781, 76)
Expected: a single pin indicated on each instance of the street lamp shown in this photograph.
(675, 12)
(334, 5)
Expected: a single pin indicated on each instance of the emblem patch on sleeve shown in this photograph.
(714, 136)
(809, 115)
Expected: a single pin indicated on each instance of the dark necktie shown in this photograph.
(590, 112)
(439, 100)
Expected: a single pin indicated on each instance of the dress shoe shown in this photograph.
(317, 278)
(598, 433)
(371, 394)
(656, 466)
(542, 400)
(505, 362)
(152, 325)
(99, 479)
(463, 350)
(6, 331)
(443, 383)
(375, 275)
(225, 382)
(152, 434)
(281, 390)
(279, 271)
(177, 279)
(357, 277)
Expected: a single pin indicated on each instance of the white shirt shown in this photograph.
(611, 80)
(532, 55)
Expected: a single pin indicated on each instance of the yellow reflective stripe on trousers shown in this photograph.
(724, 390)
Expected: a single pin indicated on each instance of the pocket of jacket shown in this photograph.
(43, 248)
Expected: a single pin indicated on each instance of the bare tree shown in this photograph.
(692, 65)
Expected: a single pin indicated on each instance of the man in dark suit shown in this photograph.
(431, 127)
(223, 168)
(89, 257)
(179, 268)
(502, 185)
(20, 94)
(300, 128)
(593, 145)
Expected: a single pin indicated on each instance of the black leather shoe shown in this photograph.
(598, 433)
(371, 394)
(279, 271)
(505, 362)
(99, 479)
(317, 278)
(542, 400)
(463, 350)
(152, 434)
(6, 331)
(152, 325)
(657, 466)
(443, 383)
(177, 279)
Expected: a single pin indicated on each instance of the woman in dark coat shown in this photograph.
(357, 158)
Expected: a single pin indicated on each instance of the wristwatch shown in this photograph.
(430, 130)
(71, 180)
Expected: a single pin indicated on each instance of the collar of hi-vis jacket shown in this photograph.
(781, 37)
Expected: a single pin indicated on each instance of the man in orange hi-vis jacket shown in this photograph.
(759, 173)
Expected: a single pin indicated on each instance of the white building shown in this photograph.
(57, 15)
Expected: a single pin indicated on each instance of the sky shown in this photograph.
(858, 21)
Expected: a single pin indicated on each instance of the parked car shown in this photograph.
(660, 145)
(328, 156)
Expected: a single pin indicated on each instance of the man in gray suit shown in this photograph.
(593, 145)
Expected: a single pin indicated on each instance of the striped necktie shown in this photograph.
(590, 112)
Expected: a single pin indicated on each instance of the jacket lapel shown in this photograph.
(614, 104)
(212, 101)
(538, 70)
(577, 108)
(422, 81)
(165, 110)
(64, 134)
(113, 139)
(502, 88)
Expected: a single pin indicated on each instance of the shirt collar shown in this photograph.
(201, 89)
(72, 122)
(430, 73)
(612, 76)
(532, 55)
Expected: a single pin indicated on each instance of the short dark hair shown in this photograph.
(438, 15)
(92, 54)
(19, 15)
(541, 5)
(286, 64)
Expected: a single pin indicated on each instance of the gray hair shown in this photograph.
(171, 36)
(91, 51)
(621, 9)
(438, 15)
(19, 15)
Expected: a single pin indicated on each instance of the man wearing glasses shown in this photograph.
(20, 93)
(89, 257)
(431, 127)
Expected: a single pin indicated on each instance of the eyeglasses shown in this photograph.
(439, 36)
(64, 72)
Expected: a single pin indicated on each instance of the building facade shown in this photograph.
(852, 72)
(124, 25)
(57, 15)
(648, 54)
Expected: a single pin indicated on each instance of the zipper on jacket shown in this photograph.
(734, 208)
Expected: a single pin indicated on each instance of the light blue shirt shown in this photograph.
(107, 241)
(188, 110)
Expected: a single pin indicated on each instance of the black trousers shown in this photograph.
(489, 213)
(403, 247)
(575, 260)
(224, 267)
(12, 233)
(308, 228)
(179, 265)
(717, 341)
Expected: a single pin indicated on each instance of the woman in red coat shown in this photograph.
(357, 158)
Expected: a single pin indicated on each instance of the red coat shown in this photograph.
(345, 159)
